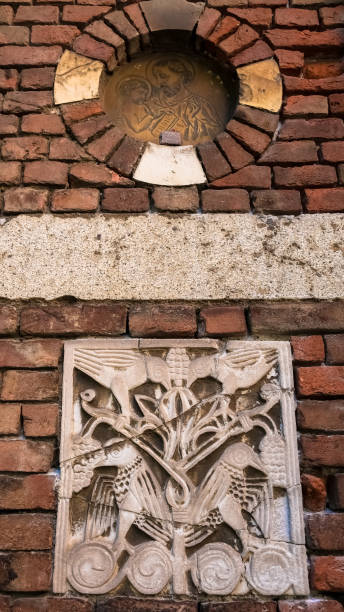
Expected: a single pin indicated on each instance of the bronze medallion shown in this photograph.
(171, 92)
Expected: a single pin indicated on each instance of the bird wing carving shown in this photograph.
(158, 372)
(102, 509)
(242, 368)
(201, 367)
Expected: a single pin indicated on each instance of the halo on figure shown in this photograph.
(189, 69)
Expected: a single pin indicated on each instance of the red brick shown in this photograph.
(334, 348)
(341, 173)
(294, 84)
(314, 492)
(29, 385)
(6, 14)
(24, 147)
(323, 450)
(207, 22)
(118, 604)
(86, 129)
(8, 319)
(95, 174)
(14, 35)
(337, 104)
(251, 177)
(333, 151)
(259, 51)
(322, 68)
(225, 200)
(325, 532)
(215, 164)
(223, 28)
(324, 415)
(82, 200)
(5, 602)
(35, 492)
(335, 487)
(176, 200)
(100, 30)
(27, 101)
(29, 571)
(306, 105)
(297, 151)
(242, 38)
(29, 56)
(9, 79)
(162, 321)
(67, 150)
(321, 380)
(10, 173)
(254, 139)
(297, 39)
(25, 456)
(43, 124)
(289, 61)
(246, 605)
(40, 420)
(54, 35)
(297, 317)
(293, 17)
(37, 14)
(125, 200)
(9, 419)
(254, 16)
(125, 29)
(312, 605)
(332, 15)
(222, 320)
(29, 353)
(125, 158)
(25, 200)
(8, 124)
(26, 532)
(325, 200)
(81, 110)
(102, 147)
(327, 574)
(89, 46)
(133, 11)
(260, 119)
(308, 348)
(327, 129)
(52, 604)
(76, 319)
(237, 155)
(46, 172)
(277, 201)
(37, 78)
(82, 14)
(305, 176)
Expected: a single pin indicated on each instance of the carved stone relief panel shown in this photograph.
(179, 470)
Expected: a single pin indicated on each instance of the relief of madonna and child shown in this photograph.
(169, 92)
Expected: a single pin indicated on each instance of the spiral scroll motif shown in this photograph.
(91, 566)
(216, 569)
(150, 568)
(270, 572)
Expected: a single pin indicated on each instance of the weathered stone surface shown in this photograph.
(211, 257)
(77, 78)
(169, 166)
(261, 85)
(164, 15)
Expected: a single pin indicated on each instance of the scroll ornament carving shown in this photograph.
(179, 472)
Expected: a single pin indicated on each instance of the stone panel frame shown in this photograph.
(80, 75)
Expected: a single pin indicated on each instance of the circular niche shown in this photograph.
(168, 91)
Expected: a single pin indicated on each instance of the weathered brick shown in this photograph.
(125, 158)
(253, 16)
(215, 164)
(82, 200)
(52, 604)
(334, 348)
(323, 450)
(306, 105)
(237, 155)
(325, 200)
(29, 353)
(54, 35)
(251, 177)
(290, 61)
(24, 147)
(27, 101)
(259, 51)
(249, 605)
(29, 571)
(316, 68)
(313, 492)
(297, 151)
(25, 200)
(242, 38)
(321, 380)
(341, 173)
(297, 39)
(125, 29)
(327, 573)
(95, 174)
(325, 531)
(133, 11)
(311, 605)
(67, 150)
(89, 46)
(335, 487)
(25, 532)
(29, 385)
(46, 172)
(263, 120)
(277, 201)
(100, 30)
(324, 415)
(333, 151)
(37, 78)
(226, 26)
(337, 104)
(300, 317)
(207, 22)
(308, 348)
(332, 15)
(6, 14)
(9, 79)
(162, 321)
(10, 173)
(81, 110)
(326, 129)
(102, 147)
(40, 420)
(9, 420)
(34, 492)
(43, 124)
(125, 200)
(254, 139)
(11, 55)
(118, 604)
(84, 130)
(300, 176)
(293, 17)
(37, 14)
(82, 14)
(75, 319)
(5, 602)
(8, 124)
(293, 84)
(176, 200)
(14, 35)
(25, 456)
(225, 200)
(222, 320)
